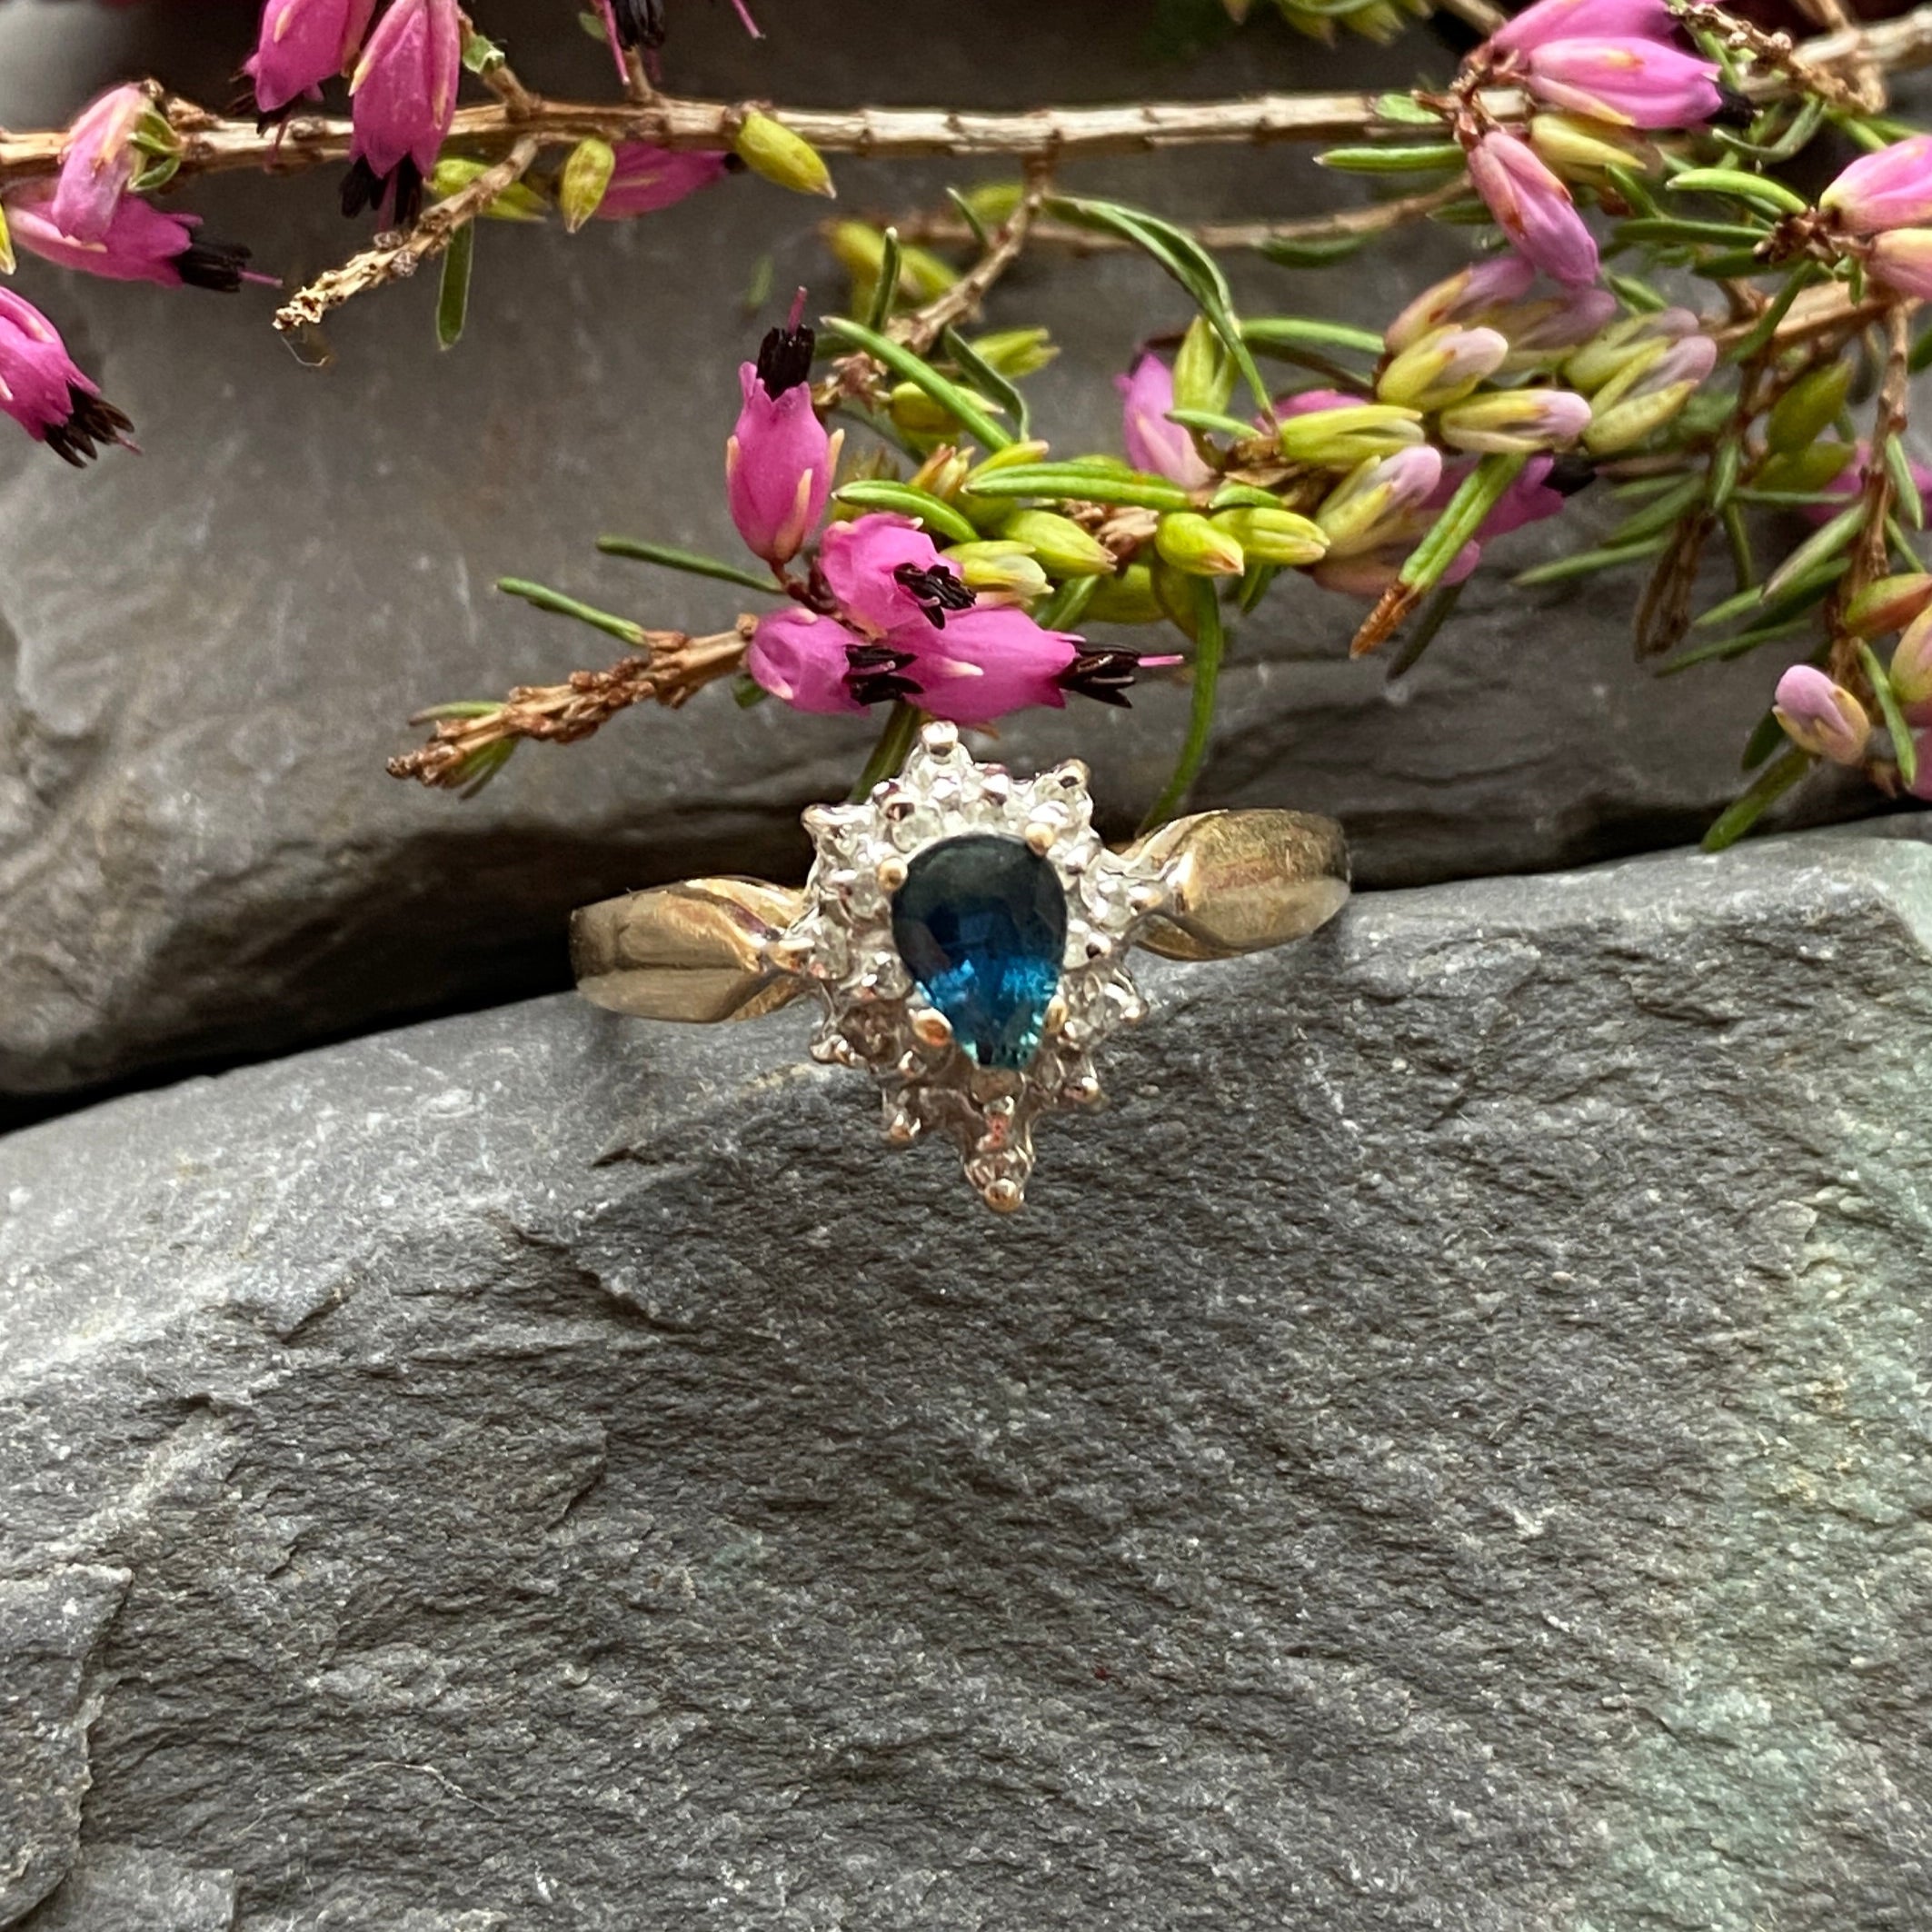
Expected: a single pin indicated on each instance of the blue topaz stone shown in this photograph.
(982, 924)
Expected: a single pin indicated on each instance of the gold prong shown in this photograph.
(1004, 1196)
(1055, 1019)
(1041, 835)
(930, 1026)
(892, 874)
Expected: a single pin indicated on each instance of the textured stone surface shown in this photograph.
(1447, 1449)
(205, 654)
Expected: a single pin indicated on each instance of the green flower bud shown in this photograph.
(1197, 546)
(1805, 471)
(1014, 353)
(860, 250)
(1338, 439)
(943, 474)
(1578, 147)
(770, 148)
(1911, 667)
(1127, 599)
(517, 202)
(1889, 604)
(1203, 370)
(1000, 570)
(1060, 545)
(586, 175)
(1809, 408)
(918, 414)
(6, 245)
(1517, 420)
(1442, 368)
(1275, 536)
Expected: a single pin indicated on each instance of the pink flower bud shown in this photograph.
(404, 89)
(1890, 189)
(886, 575)
(97, 163)
(1153, 444)
(1472, 294)
(779, 461)
(140, 243)
(1369, 508)
(1533, 208)
(647, 178)
(302, 43)
(1502, 420)
(1821, 717)
(1530, 498)
(1901, 258)
(1911, 666)
(1540, 330)
(44, 391)
(1550, 20)
(804, 659)
(1629, 83)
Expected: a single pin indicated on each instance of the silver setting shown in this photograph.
(842, 943)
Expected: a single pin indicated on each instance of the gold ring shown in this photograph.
(966, 931)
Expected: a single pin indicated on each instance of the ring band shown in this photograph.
(965, 929)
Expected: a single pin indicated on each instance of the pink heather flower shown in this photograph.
(778, 461)
(1532, 498)
(887, 575)
(1820, 716)
(1153, 444)
(97, 163)
(1549, 20)
(994, 659)
(302, 43)
(1633, 83)
(1566, 321)
(404, 90)
(1473, 295)
(1901, 258)
(1533, 208)
(44, 391)
(647, 178)
(1889, 189)
(804, 659)
(140, 243)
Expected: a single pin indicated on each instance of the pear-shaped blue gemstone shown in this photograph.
(982, 924)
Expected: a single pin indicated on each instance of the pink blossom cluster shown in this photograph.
(1617, 65)
(880, 614)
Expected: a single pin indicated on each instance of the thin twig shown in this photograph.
(396, 257)
(924, 327)
(1866, 76)
(933, 229)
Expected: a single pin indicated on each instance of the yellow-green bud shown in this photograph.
(1200, 548)
(1516, 421)
(1060, 545)
(1888, 605)
(1618, 427)
(1809, 408)
(860, 250)
(1338, 439)
(1911, 667)
(1203, 370)
(918, 414)
(943, 472)
(1578, 146)
(6, 245)
(586, 175)
(1015, 352)
(1000, 570)
(994, 200)
(1128, 599)
(517, 202)
(1805, 471)
(1442, 368)
(1275, 536)
(770, 148)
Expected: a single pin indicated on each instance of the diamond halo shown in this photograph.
(877, 1015)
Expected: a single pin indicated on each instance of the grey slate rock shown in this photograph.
(205, 654)
(1448, 1449)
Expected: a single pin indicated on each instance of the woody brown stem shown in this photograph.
(393, 260)
(924, 327)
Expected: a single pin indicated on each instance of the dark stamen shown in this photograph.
(1735, 110)
(1104, 676)
(784, 359)
(407, 181)
(874, 677)
(1572, 473)
(92, 421)
(205, 263)
(935, 590)
(639, 23)
(362, 188)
